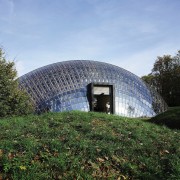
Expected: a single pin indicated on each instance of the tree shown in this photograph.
(13, 100)
(165, 78)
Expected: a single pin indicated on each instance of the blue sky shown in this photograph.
(126, 33)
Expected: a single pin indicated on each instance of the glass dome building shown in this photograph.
(91, 86)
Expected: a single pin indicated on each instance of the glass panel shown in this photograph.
(63, 86)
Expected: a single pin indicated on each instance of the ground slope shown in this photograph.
(169, 118)
(80, 145)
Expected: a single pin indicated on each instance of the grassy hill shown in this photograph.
(170, 118)
(80, 145)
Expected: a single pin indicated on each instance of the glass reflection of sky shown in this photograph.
(63, 87)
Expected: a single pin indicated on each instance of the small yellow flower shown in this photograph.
(22, 167)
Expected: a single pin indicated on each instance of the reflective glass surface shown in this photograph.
(63, 87)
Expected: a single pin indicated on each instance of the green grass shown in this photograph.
(80, 145)
(170, 118)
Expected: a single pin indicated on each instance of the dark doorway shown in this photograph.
(101, 98)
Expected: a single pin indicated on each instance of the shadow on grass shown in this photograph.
(170, 118)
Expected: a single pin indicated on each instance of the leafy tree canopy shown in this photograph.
(13, 100)
(165, 78)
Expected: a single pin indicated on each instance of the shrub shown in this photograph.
(13, 100)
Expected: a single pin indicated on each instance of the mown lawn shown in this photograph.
(80, 145)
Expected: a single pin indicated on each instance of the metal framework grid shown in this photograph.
(62, 86)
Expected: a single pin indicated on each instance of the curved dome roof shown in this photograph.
(63, 86)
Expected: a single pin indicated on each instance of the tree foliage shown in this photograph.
(13, 100)
(165, 78)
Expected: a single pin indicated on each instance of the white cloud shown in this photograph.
(142, 62)
(20, 67)
(119, 32)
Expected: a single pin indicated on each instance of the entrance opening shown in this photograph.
(101, 98)
(102, 103)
